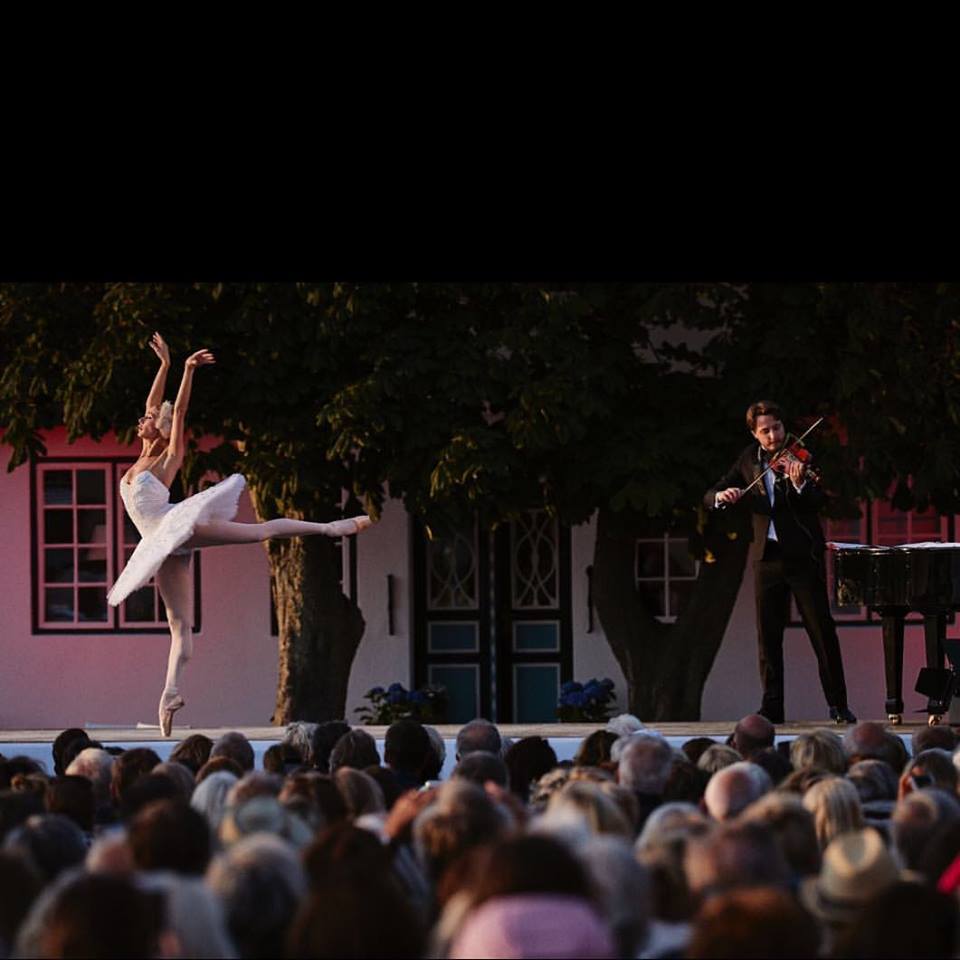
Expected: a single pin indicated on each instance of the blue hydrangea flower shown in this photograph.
(376, 692)
(571, 686)
(394, 687)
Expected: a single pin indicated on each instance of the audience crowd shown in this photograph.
(826, 846)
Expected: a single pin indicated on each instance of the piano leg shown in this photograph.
(893, 661)
(934, 633)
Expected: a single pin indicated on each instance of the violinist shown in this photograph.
(789, 548)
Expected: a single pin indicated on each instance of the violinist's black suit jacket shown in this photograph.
(793, 564)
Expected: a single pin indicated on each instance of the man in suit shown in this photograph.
(790, 560)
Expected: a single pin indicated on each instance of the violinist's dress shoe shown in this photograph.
(841, 715)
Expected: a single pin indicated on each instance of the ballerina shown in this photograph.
(170, 532)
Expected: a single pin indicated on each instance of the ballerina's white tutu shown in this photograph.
(165, 526)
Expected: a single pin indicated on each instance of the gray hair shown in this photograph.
(193, 913)
(97, 766)
(260, 882)
(624, 725)
(300, 736)
(646, 762)
(670, 819)
(622, 887)
(180, 775)
(715, 758)
(436, 741)
(210, 797)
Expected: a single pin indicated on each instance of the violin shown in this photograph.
(794, 451)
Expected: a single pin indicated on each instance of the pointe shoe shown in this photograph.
(170, 703)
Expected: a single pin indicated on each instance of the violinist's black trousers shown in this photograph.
(775, 578)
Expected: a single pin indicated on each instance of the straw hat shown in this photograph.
(856, 867)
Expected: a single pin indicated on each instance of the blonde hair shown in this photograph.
(835, 805)
(819, 748)
(164, 419)
(587, 803)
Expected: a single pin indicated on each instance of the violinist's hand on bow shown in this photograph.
(730, 495)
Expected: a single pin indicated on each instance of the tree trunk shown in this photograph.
(320, 630)
(666, 665)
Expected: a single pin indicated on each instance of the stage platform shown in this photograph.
(563, 737)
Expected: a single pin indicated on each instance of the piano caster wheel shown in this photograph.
(894, 719)
(934, 720)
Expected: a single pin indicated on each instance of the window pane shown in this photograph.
(92, 564)
(681, 563)
(139, 606)
(680, 591)
(58, 604)
(925, 526)
(91, 526)
(57, 486)
(58, 566)
(653, 596)
(58, 526)
(650, 558)
(92, 602)
(91, 487)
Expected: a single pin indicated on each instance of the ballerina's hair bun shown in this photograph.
(164, 420)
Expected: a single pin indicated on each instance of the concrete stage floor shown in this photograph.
(563, 737)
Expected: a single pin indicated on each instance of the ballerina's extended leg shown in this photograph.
(173, 581)
(217, 533)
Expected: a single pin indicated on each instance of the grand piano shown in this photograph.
(892, 581)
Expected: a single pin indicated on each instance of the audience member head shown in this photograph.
(687, 783)
(263, 814)
(60, 744)
(219, 765)
(478, 734)
(916, 818)
(939, 737)
(694, 748)
(388, 782)
(355, 749)
(732, 789)
(50, 841)
(180, 774)
(170, 835)
(820, 750)
(20, 885)
(874, 780)
(16, 765)
(793, 829)
(299, 739)
(594, 749)
(438, 757)
(869, 740)
(73, 797)
(528, 760)
(129, 767)
(835, 805)
(752, 734)
(717, 757)
(933, 768)
(581, 810)
(325, 737)
(345, 851)
(281, 759)
(147, 789)
(193, 752)
(478, 767)
(315, 798)
(335, 921)
(260, 882)
(192, 913)
(461, 817)
(96, 765)
(624, 725)
(645, 764)
(235, 746)
(256, 783)
(621, 889)
(360, 792)
(856, 868)
(16, 807)
(549, 784)
(407, 750)
(774, 762)
(98, 915)
(736, 854)
(757, 922)
(210, 797)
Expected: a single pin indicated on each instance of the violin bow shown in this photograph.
(779, 453)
